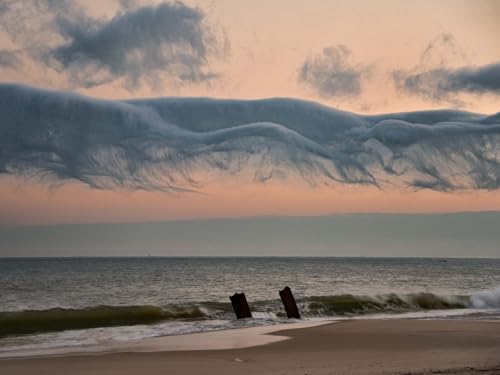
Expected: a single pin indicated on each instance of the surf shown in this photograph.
(25, 322)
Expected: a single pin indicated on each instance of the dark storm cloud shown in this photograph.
(331, 74)
(138, 46)
(171, 144)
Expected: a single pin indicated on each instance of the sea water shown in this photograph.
(68, 302)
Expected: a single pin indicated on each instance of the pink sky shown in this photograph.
(269, 40)
(75, 203)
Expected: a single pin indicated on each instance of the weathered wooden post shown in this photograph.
(240, 306)
(289, 302)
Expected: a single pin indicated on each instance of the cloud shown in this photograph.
(9, 59)
(444, 74)
(444, 50)
(147, 45)
(331, 74)
(140, 46)
(444, 84)
(174, 144)
(31, 24)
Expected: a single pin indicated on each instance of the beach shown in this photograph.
(227, 187)
(404, 346)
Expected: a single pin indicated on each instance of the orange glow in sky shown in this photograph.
(267, 43)
(76, 203)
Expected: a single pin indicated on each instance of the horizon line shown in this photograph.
(242, 256)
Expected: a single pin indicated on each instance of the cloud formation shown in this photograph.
(140, 46)
(9, 59)
(175, 144)
(444, 74)
(331, 74)
(145, 45)
(444, 84)
(442, 51)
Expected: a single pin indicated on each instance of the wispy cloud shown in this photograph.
(331, 73)
(173, 144)
(145, 45)
(140, 46)
(443, 85)
(9, 59)
(444, 74)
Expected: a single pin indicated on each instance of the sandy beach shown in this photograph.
(348, 347)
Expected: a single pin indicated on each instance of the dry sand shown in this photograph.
(348, 347)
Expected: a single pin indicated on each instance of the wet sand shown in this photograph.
(348, 347)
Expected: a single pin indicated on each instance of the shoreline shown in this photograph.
(223, 339)
(348, 347)
(229, 337)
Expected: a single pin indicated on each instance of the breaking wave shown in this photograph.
(348, 304)
(178, 144)
(59, 319)
(486, 299)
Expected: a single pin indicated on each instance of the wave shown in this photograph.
(486, 299)
(329, 306)
(173, 144)
(348, 304)
(60, 319)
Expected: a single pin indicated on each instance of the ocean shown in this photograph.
(69, 302)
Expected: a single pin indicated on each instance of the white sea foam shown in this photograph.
(358, 289)
(486, 299)
(186, 335)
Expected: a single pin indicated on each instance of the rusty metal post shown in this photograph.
(240, 306)
(289, 302)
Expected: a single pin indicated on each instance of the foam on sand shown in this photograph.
(218, 340)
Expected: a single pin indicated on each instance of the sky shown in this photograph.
(103, 118)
